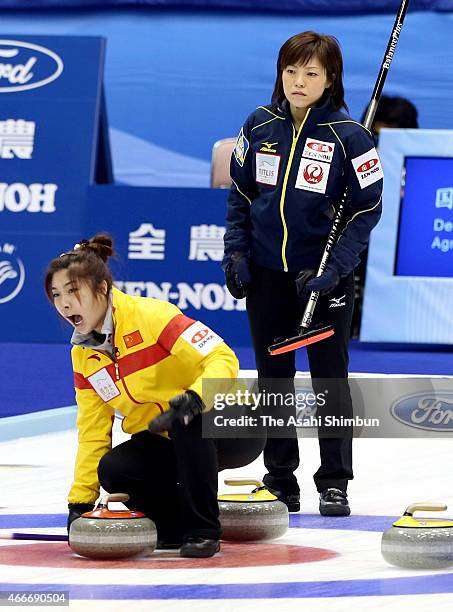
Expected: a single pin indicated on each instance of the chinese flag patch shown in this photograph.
(132, 339)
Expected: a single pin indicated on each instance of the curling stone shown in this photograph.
(419, 543)
(112, 534)
(247, 517)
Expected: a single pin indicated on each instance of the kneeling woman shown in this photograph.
(143, 358)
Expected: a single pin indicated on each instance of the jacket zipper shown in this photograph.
(118, 377)
(285, 182)
(117, 368)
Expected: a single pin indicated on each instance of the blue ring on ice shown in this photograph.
(408, 585)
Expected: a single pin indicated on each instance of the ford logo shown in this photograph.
(430, 410)
(24, 65)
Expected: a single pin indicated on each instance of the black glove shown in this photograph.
(183, 408)
(307, 282)
(237, 275)
(76, 511)
(302, 279)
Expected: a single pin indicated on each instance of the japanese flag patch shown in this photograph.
(201, 338)
(241, 148)
(368, 168)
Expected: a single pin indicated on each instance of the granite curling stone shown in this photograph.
(254, 516)
(419, 543)
(112, 534)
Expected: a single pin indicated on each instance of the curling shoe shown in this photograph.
(163, 544)
(291, 500)
(199, 547)
(334, 502)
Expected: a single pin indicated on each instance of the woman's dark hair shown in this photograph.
(86, 262)
(299, 49)
(396, 111)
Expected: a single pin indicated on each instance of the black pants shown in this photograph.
(275, 311)
(174, 481)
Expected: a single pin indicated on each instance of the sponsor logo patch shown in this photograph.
(312, 176)
(201, 338)
(337, 302)
(368, 168)
(241, 148)
(267, 168)
(319, 150)
(268, 147)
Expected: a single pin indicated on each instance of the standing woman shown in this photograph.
(289, 168)
(143, 358)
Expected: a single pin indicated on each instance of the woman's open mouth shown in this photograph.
(75, 319)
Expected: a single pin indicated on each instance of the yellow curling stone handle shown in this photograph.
(242, 482)
(424, 507)
(408, 520)
(261, 494)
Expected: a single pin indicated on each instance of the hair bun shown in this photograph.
(100, 244)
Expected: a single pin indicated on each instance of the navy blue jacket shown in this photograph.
(287, 184)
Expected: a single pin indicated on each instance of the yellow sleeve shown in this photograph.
(223, 367)
(213, 359)
(198, 348)
(94, 424)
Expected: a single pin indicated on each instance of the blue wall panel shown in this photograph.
(305, 6)
(178, 81)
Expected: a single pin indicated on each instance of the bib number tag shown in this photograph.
(104, 385)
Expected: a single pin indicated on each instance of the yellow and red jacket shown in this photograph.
(159, 353)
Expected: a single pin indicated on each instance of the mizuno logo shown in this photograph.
(337, 302)
(268, 147)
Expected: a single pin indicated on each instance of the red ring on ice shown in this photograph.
(57, 554)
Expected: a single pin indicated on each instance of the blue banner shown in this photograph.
(50, 94)
(170, 247)
(319, 7)
(168, 101)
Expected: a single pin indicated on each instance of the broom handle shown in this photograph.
(377, 91)
(48, 537)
